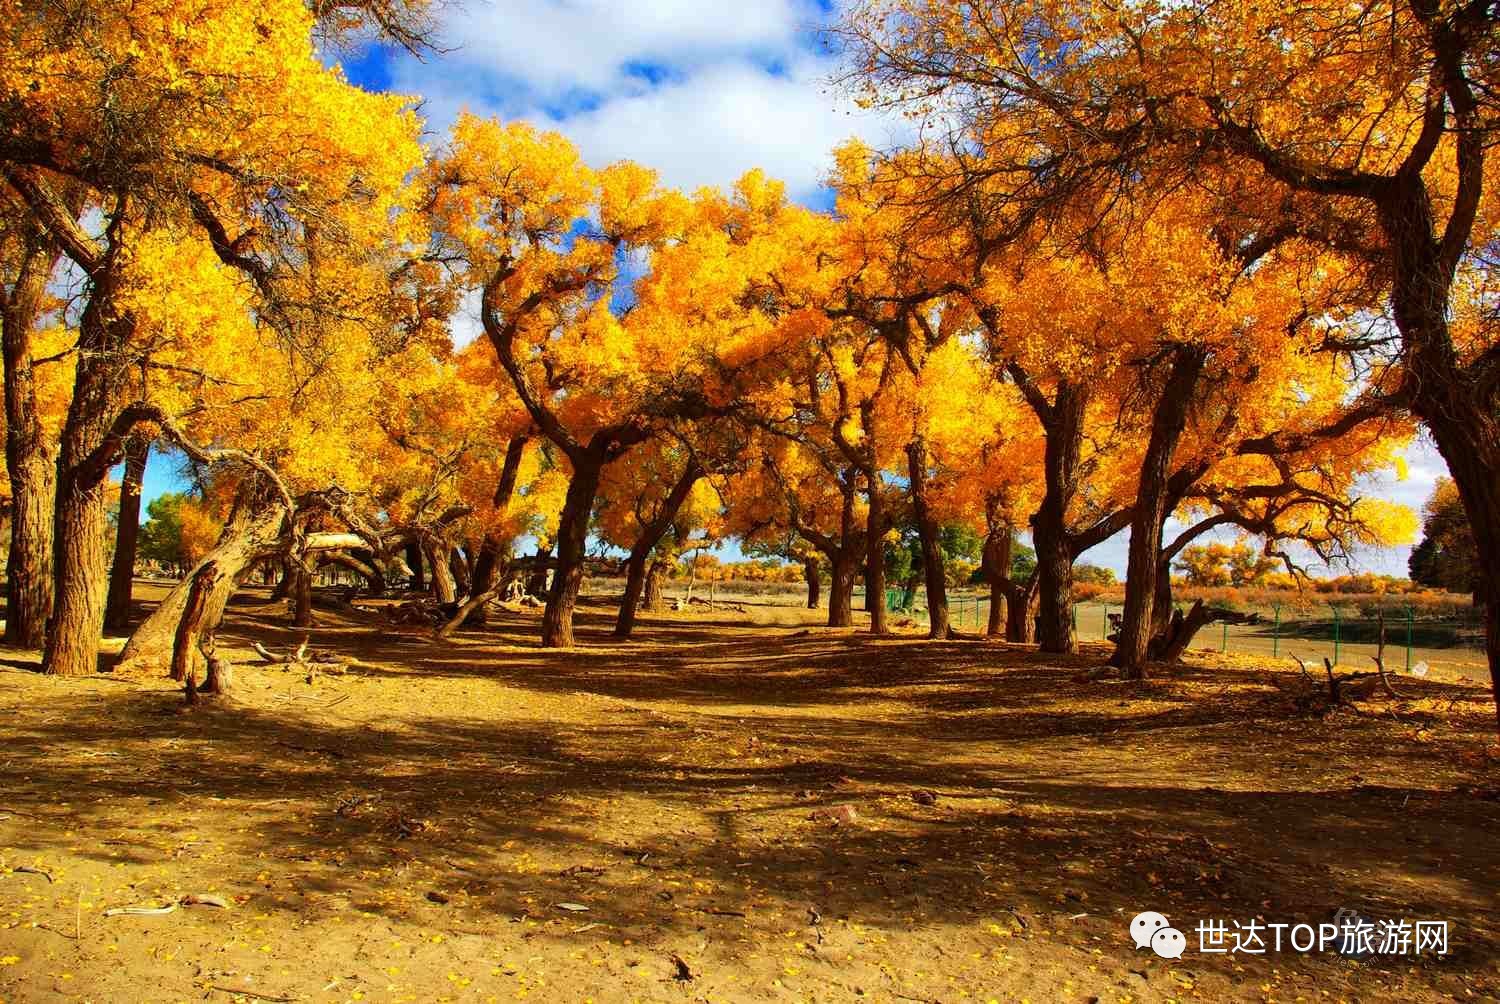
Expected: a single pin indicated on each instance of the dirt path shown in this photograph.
(723, 812)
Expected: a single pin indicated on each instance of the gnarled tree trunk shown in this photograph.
(29, 458)
(252, 532)
(1168, 420)
(656, 579)
(810, 567)
(127, 532)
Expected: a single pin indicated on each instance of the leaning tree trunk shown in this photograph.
(1168, 421)
(190, 626)
(444, 587)
(572, 533)
(928, 534)
(29, 458)
(127, 532)
(1474, 460)
(810, 567)
(651, 535)
(251, 532)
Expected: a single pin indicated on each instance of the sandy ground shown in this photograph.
(727, 808)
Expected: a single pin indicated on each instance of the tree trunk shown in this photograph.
(1457, 404)
(651, 535)
(635, 583)
(1168, 421)
(251, 533)
(841, 589)
(929, 536)
(302, 582)
(656, 577)
(127, 531)
(875, 556)
(29, 458)
(572, 533)
(1020, 609)
(1054, 550)
(84, 460)
(458, 568)
(444, 588)
(810, 567)
(995, 563)
(190, 624)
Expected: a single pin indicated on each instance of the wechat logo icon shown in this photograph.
(1152, 930)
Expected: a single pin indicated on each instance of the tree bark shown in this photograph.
(1054, 550)
(995, 562)
(810, 568)
(127, 532)
(30, 459)
(651, 535)
(572, 533)
(841, 591)
(251, 533)
(656, 577)
(875, 556)
(929, 535)
(84, 460)
(301, 588)
(1168, 421)
(444, 588)
(189, 625)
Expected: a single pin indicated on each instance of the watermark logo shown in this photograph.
(1350, 935)
(1145, 929)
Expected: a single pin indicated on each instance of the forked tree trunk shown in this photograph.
(572, 533)
(651, 535)
(1020, 611)
(84, 460)
(810, 568)
(251, 533)
(929, 536)
(127, 532)
(30, 459)
(1168, 420)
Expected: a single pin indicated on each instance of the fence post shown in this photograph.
(1276, 633)
(1104, 628)
(1336, 625)
(1408, 637)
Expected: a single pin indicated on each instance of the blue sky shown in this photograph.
(699, 91)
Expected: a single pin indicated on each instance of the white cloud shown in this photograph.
(559, 46)
(740, 89)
